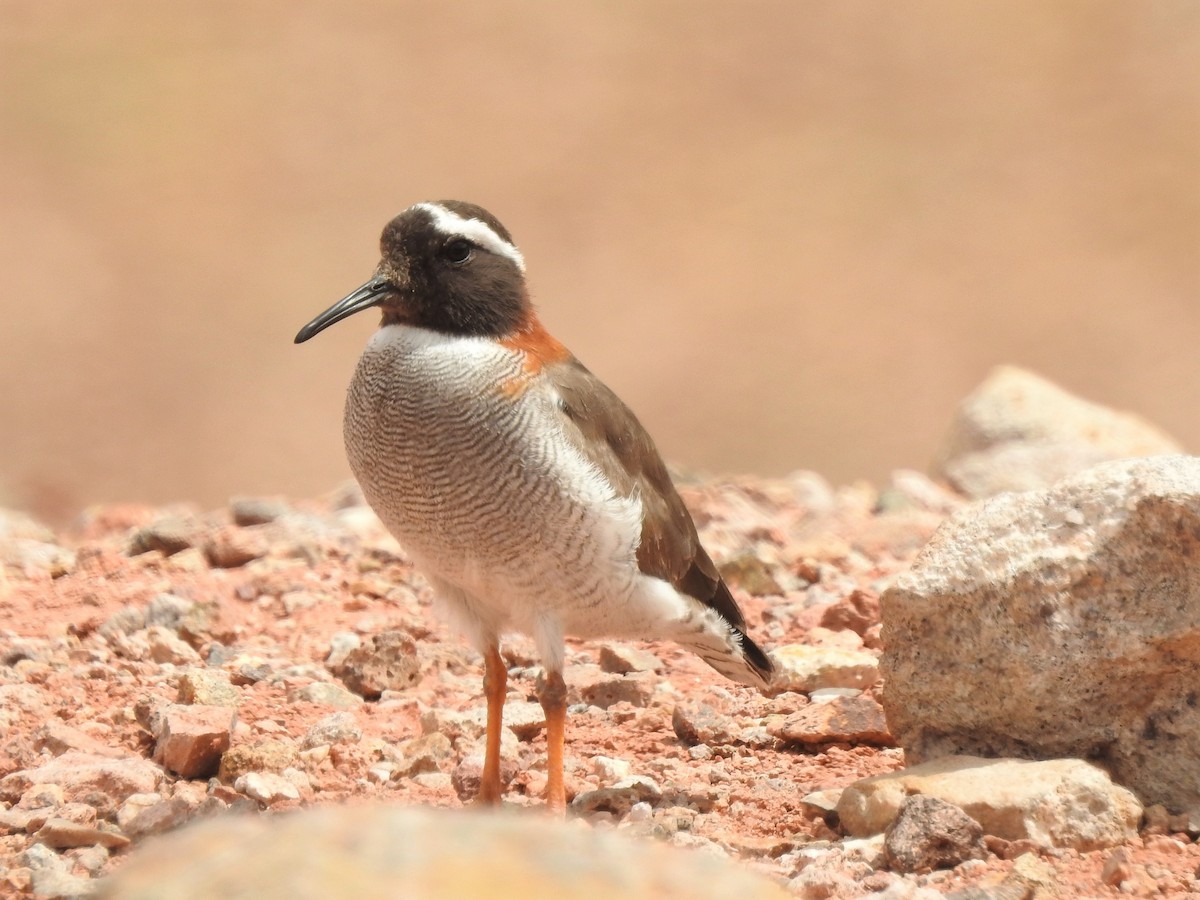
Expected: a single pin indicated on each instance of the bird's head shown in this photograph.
(447, 266)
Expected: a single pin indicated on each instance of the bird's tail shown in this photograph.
(728, 650)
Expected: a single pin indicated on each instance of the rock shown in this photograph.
(611, 770)
(154, 815)
(82, 774)
(369, 851)
(751, 574)
(1054, 803)
(605, 690)
(468, 774)
(696, 722)
(422, 754)
(335, 728)
(323, 693)
(167, 610)
(929, 833)
(192, 739)
(853, 720)
(265, 756)
(231, 548)
(258, 510)
(58, 738)
(166, 647)
(1019, 432)
(621, 659)
(168, 535)
(619, 798)
(53, 885)
(266, 787)
(801, 668)
(521, 717)
(29, 556)
(856, 612)
(126, 620)
(340, 646)
(386, 662)
(208, 687)
(821, 803)
(1084, 603)
(62, 833)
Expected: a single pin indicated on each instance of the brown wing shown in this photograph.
(608, 433)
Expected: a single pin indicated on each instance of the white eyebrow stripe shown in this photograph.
(473, 230)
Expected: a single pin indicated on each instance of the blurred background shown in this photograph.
(789, 234)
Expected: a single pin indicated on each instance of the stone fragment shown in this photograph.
(192, 739)
(126, 620)
(856, 612)
(168, 535)
(150, 814)
(522, 717)
(852, 720)
(266, 787)
(421, 754)
(63, 833)
(750, 573)
(1064, 803)
(335, 728)
(232, 547)
(929, 833)
(605, 690)
(166, 647)
(57, 737)
(324, 693)
(258, 510)
(386, 662)
(1083, 602)
(621, 659)
(167, 610)
(1019, 432)
(620, 797)
(208, 687)
(385, 851)
(801, 668)
(468, 774)
(81, 775)
(696, 722)
(341, 644)
(54, 885)
(264, 756)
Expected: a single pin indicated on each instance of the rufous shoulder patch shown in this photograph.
(536, 344)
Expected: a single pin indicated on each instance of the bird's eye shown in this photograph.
(457, 251)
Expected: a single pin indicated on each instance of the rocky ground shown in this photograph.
(160, 666)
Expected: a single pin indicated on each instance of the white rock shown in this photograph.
(1054, 803)
(802, 668)
(1063, 623)
(266, 787)
(1018, 431)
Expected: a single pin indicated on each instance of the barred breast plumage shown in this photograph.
(482, 489)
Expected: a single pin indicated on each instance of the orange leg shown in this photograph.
(495, 683)
(552, 692)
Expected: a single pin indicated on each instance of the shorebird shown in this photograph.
(523, 489)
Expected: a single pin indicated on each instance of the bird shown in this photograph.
(524, 490)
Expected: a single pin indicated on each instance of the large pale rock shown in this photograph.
(431, 853)
(1063, 623)
(1017, 432)
(1054, 803)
